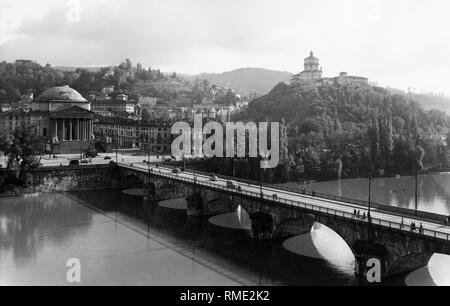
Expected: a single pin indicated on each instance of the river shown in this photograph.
(120, 239)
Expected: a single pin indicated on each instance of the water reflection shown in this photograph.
(433, 191)
(27, 225)
(262, 263)
(134, 192)
(178, 204)
(435, 274)
(238, 220)
(323, 243)
(123, 239)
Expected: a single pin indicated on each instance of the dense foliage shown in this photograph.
(17, 78)
(21, 151)
(341, 131)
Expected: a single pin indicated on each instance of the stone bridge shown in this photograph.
(398, 250)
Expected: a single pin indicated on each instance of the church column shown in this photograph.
(91, 128)
(78, 129)
(80, 137)
(81, 130)
(58, 127)
(85, 130)
(70, 131)
(63, 129)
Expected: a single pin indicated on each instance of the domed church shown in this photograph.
(60, 115)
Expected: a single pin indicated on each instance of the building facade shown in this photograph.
(112, 106)
(154, 138)
(60, 116)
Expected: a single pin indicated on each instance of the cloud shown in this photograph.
(387, 41)
(153, 32)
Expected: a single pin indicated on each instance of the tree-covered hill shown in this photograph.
(19, 77)
(354, 130)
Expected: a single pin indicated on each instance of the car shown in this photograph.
(232, 185)
(112, 162)
(74, 162)
(176, 171)
(85, 161)
(107, 158)
(213, 178)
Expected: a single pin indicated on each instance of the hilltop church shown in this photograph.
(312, 76)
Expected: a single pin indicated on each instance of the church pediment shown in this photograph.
(73, 110)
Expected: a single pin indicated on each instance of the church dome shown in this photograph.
(311, 59)
(61, 94)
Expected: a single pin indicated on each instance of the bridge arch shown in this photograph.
(132, 181)
(324, 244)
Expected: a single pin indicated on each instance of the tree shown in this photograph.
(374, 140)
(398, 123)
(284, 151)
(22, 150)
(310, 125)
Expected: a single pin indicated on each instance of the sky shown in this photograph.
(397, 43)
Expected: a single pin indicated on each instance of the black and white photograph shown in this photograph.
(222, 149)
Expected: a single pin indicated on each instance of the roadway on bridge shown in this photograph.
(317, 202)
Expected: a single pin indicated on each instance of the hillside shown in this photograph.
(73, 68)
(430, 101)
(16, 79)
(245, 80)
(354, 130)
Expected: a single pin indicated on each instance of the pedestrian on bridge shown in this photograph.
(421, 228)
(354, 213)
(402, 225)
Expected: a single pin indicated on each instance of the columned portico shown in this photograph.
(71, 129)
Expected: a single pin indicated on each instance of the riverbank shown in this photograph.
(387, 175)
(22, 191)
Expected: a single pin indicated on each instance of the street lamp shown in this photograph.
(370, 198)
(416, 194)
(263, 157)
